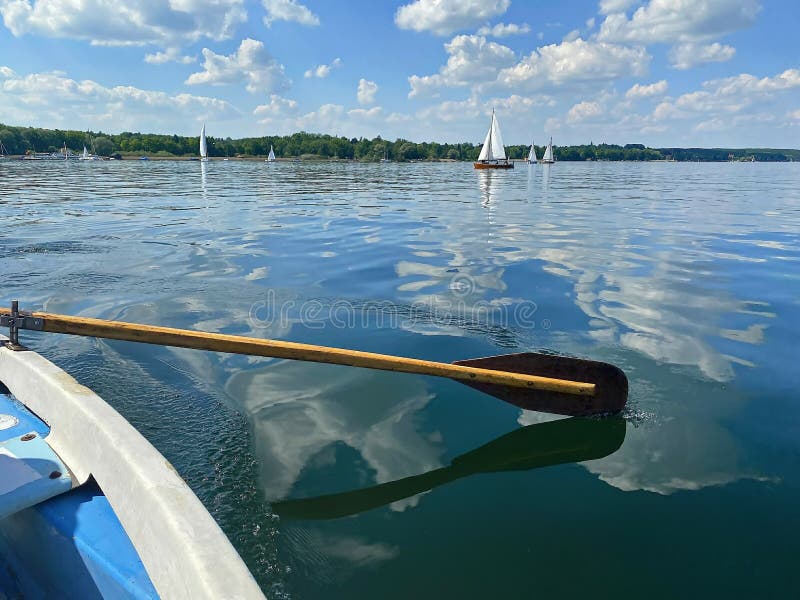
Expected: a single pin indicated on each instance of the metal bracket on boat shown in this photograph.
(19, 320)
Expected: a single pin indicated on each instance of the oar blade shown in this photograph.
(610, 396)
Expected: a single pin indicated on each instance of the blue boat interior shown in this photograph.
(57, 541)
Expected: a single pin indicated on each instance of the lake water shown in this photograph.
(687, 276)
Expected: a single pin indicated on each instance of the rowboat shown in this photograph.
(89, 508)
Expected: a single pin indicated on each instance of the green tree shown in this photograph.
(103, 146)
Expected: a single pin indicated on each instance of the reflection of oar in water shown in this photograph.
(532, 381)
(531, 447)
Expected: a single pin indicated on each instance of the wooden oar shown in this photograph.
(532, 381)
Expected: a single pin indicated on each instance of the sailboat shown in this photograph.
(3, 150)
(271, 156)
(203, 146)
(87, 156)
(532, 155)
(548, 154)
(493, 154)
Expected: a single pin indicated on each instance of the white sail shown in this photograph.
(532, 154)
(548, 153)
(493, 148)
(203, 147)
(85, 153)
(487, 146)
(271, 157)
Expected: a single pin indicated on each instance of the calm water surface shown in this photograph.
(335, 482)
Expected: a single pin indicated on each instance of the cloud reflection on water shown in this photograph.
(299, 410)
(652, 262)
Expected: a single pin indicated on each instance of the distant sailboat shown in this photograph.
(87, 156)
(548, 154)
(532, 155)
(493, 153)
(271, 157)
(203, 145)
(3, 150)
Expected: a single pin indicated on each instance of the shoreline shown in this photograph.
(146, 158)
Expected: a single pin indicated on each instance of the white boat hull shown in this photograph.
(184, 551)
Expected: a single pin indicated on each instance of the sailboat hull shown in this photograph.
(493, 165)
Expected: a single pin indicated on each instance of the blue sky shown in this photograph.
(658, 72)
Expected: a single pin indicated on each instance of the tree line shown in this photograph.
(23, 140)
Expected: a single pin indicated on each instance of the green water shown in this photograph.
(334, 482)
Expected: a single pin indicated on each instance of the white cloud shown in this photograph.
(794, 115)
(323, 118)
(590, 23)
(572, 35)
(322, 71)
(679, 20)
(444, 17)
(251, 63)
(288, 10)
(470, 116)
(583, 111)
(282, 116)
(574, 62)
(335, 119)
(483, 65)
(504, 30)
(279, 108)
(7, 72)
(452, 110)
(129, 23)
(56, 101)
(169, 55)
(615, 6)
(727, 96)
(664, 111)
(366, 113)
(686, 56)
(515, 103)
(645, 91)
(746, 83)
(366, 91)
(472, 60)
(714, 124)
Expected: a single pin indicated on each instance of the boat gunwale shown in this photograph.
(182, 547)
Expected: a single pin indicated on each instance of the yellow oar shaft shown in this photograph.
(234, 344)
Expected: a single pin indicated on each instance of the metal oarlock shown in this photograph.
(19, 320)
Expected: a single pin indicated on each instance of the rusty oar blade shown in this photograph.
(610, 395)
